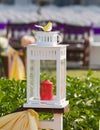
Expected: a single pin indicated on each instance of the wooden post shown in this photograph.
(55, 124)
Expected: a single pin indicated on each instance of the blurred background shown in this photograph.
(77, 20)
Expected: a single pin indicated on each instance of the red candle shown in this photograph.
(46, 90)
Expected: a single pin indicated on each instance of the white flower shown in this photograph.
(3, 43)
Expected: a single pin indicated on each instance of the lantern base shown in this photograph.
(46, 104)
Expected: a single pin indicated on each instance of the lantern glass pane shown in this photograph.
(48, 65)
(48, 72)
(34, 81)
(31, 77)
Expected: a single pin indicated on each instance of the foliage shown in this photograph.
(12, 95)
(82, 93)
(84, 100)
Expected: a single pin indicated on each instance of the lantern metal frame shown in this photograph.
(36, 53)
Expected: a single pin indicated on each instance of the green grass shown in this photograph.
(77, 73)
(83, 73)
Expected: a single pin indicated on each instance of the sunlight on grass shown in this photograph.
(82, 73)
(77, 73)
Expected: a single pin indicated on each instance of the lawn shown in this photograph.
(77, 73)
(83, 73)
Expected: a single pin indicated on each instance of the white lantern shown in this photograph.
(45, 51)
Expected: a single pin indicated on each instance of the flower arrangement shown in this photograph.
(3, 44)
